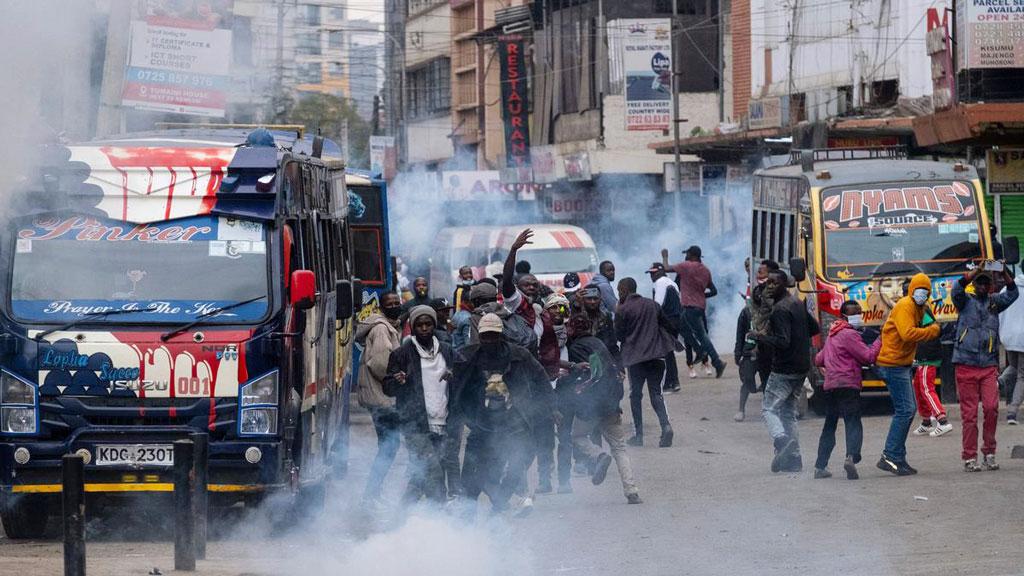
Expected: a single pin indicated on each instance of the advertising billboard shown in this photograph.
(647, 66)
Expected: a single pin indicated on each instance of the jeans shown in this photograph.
(1014, 381)
(613, 432)
(426, 476)
(693, 319)
(385, 424)
(450, 456)
(779, 408)
(844, 403)
(901, 393)
(671, 372)
(974, 383)
(649, 373)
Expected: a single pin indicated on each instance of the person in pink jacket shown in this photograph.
(842, 357)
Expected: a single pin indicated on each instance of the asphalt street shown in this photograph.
(711, 506)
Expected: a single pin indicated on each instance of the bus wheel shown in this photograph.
(24, 517)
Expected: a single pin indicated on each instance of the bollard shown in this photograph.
(201, 459)
(73, 505)
(184, 506)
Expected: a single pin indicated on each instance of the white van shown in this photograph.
(454, 247)
(554, 251)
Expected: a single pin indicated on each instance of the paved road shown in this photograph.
(711, 507)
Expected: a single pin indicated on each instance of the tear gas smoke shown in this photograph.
(630, 229)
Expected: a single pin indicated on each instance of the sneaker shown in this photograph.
(636, 441)
(795, 464)
(941, 429)
(707, 369)
(544, 486)
(666, 438)
(565, 488)
(923, 429)
(739, 416)
(719, 369)
(989, 463)
(851, 469)
(693, 373)
(676, 389)
(521, 507)
(887, 465)
(971, 465)
(821, 473)
(905, 469)
(1011, 419)
(634, 499)
(601, 469)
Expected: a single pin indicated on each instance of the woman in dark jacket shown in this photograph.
(419, 378)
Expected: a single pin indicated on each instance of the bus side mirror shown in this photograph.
(798, 269)
(1011, 250)
(346, 300)
(303, 289)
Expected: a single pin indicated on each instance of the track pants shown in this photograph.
(928, 404)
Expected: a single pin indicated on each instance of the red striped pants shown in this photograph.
(928, 403)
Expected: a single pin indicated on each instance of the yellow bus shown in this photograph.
(854, 224)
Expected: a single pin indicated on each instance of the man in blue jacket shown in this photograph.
(976, 359)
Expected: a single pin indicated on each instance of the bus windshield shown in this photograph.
(899, 228)
(67, 267)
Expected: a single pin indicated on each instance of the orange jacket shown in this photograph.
(902, 330)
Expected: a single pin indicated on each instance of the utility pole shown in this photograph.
(278, 98)
(677, 195)
(110, 118)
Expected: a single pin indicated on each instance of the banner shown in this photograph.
(1005, 171)
(484, 185)
(647, 64)
(990, 34)
(514, 96)
(179, 58)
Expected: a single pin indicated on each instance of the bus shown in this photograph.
(854, 224)
(174, 282)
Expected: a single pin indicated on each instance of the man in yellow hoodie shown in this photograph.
(902, 331)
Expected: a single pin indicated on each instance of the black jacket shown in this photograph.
(789, 335)
(643, 330)
(409, 402)
(595, 393)
(528, 384)
(604, 330)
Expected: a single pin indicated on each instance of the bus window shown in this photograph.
(371, 197)
(368, 255)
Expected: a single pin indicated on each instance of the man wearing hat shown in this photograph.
(976, 358)
(695, 287)
(667, 296)
(443, 310)
(503, 391)
(420, 380)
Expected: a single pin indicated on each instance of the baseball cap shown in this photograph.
(693, 251)
(571, 282)
(490, 323)
(441, 303)
(590, 292)
(656, 267)
(483, 290)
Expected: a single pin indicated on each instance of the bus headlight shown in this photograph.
(258, 406)
(18, 405)
(258, 421)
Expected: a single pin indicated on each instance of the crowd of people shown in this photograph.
(509, 373)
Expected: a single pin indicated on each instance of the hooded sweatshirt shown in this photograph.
(843, 356)
(607, 292)
(902, 330)
(1011, 326)
(378, 338)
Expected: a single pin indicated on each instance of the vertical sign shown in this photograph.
(179, 58)
(1005, 171)
(991, 34)
(647, 64)
(383, 156)
(514, 101)
(937, 43)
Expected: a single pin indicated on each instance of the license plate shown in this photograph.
(135, 455)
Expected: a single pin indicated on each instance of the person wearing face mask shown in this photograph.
(901, 334)
(419, 379)
(976, 360)
(789, 333)
(927, 361)
(843, 356)
(502, 392)
(379, 336)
